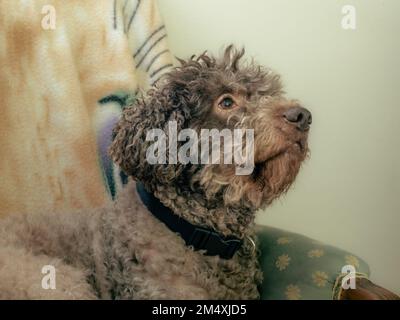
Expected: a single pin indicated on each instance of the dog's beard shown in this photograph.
(278, 173)
(269, 179)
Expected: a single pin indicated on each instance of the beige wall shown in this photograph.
(348, 193)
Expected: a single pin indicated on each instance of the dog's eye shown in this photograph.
(227, 103)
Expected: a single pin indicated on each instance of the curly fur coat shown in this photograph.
(122, 251)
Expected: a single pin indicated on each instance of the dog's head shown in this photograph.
(223, 94)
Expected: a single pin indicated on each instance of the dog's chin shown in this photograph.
(271, 177)
(275, 174)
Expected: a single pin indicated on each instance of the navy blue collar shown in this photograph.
(198, 237)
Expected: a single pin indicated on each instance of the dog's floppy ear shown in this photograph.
(154, 111)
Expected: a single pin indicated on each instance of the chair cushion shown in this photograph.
(296, 267)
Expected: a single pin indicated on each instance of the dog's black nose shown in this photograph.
(299, 116)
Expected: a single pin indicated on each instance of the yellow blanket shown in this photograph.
(58, 59)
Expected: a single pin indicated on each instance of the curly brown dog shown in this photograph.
(131, 249)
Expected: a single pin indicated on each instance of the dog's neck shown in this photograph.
(235, 221)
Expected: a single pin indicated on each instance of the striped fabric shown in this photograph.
(147, 37)
(62, 90)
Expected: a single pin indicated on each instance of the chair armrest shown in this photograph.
(367, 290)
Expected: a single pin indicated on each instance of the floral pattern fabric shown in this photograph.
(298, 268)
